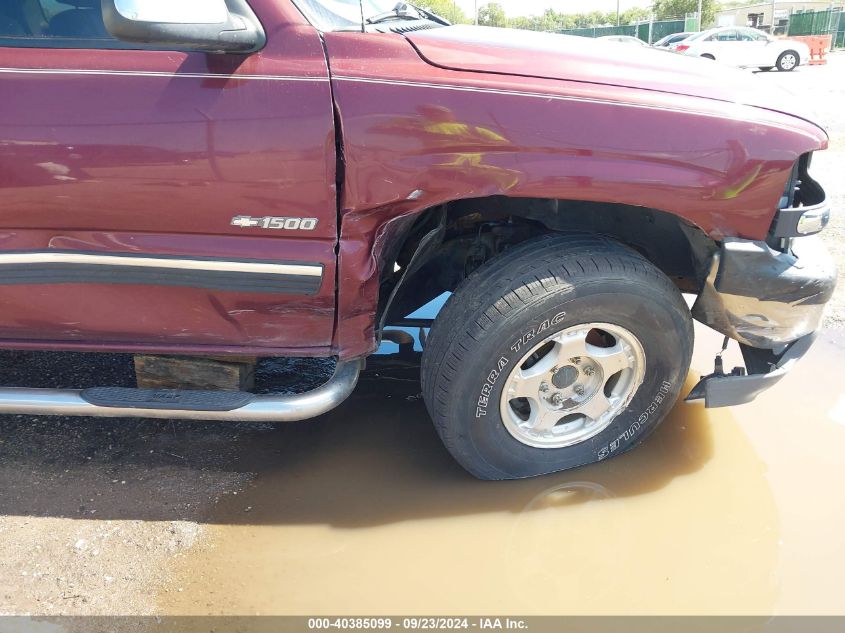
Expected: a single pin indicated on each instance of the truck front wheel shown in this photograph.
(560, 352)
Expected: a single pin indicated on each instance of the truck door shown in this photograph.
(162, 199)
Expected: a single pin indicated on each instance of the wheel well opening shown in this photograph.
(470, 232)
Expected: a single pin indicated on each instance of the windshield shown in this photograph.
(343, 15)
(753, 35)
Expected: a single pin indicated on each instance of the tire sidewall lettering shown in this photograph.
(519, 343)
(488, 386)
(634, 429)
(659, 387)
(533, 333)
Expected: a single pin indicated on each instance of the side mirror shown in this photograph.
(214, 26)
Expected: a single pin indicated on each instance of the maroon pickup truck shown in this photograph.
(210, 178)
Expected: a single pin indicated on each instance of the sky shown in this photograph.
(515, 8)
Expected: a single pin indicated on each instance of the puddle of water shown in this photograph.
(363, 512)
(796, 430)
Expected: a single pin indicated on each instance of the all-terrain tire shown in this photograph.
(535, 289)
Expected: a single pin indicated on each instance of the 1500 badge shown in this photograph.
(277, 223)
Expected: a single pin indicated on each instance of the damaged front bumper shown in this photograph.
(771, 302)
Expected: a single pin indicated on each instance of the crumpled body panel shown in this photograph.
(765, 298)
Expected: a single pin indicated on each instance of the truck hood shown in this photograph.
(582, 59)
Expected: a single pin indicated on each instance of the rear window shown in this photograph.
(725, 36)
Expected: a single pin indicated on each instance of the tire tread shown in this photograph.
(511, 282)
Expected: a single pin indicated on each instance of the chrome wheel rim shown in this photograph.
(571, 385)
(787, 62)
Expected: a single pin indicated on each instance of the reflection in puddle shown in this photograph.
(364, 512)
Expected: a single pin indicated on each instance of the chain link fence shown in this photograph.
(823, 22)
(646, 31)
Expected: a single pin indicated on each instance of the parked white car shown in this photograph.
(674, 38)
(745, 47)
(623, 39)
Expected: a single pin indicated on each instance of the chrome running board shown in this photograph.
(236, 406)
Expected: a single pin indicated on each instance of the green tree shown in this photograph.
(492, 14)
(548, 21)
(445, 9)
(594, 18)
(631, 16)
(665, 9)
(522, 22)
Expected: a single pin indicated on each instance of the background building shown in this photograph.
(759, 15)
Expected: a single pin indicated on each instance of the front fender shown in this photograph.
(411, 144)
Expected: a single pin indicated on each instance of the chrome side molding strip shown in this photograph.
(161, 261)
(238, 275)
(257, 408)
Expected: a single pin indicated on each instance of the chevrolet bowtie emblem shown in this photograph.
(244, 221)
(275, 223)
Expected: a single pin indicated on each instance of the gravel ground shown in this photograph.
(93, 512)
